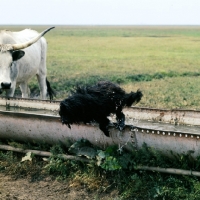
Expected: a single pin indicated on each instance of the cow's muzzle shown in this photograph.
(5, 85)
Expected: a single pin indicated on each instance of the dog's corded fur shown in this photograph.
(96, 103)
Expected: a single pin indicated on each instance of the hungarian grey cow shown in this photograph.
(18, 66)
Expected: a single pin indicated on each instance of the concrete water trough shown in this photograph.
(40, 123)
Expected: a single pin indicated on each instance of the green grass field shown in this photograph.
(163, 61)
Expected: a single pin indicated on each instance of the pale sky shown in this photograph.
(100, 12)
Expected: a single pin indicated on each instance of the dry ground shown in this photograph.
(47, 189)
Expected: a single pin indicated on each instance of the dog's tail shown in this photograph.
(133, 98)
(50, 91)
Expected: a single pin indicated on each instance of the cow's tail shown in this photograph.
(50, 91)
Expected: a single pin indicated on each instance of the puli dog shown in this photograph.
(96, 103)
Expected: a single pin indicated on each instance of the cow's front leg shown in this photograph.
(25, 90)
(10, 92)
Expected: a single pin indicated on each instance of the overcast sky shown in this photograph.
(100, 12)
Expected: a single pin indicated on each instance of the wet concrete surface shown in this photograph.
(28, 110)
(161, 126)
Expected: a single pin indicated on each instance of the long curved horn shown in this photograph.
(29, 43)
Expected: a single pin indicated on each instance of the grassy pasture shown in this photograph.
(162, 61)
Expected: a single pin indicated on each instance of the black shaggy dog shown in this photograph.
(96, 103)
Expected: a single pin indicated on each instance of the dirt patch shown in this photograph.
(47, 189)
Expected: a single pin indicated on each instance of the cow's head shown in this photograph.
(6, 61)
(9, 53)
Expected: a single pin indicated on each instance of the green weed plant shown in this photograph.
(112, 169)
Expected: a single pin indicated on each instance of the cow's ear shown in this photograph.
(16, 55)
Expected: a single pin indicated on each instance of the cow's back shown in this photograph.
(35, 55)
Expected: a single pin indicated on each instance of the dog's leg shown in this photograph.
(120, 117)
(103, 125)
